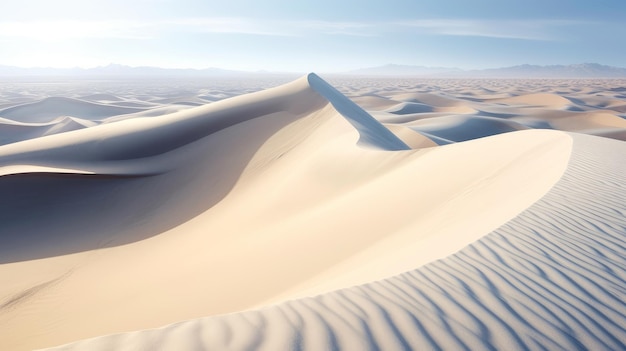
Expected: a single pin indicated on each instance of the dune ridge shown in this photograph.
(146, 137)
(53, 107)
(372, 132)
(141, 138)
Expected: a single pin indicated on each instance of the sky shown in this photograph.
(320, 35)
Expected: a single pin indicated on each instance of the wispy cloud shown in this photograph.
(267, 27)
(72, 29)
(125, 29)
(507, 29)
(233, 25)
(336, 28)
(146, 29)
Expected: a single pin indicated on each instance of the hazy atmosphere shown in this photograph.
(323, 36)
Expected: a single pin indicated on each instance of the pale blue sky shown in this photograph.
(321, 35)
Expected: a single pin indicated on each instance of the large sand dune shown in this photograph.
(123, 212)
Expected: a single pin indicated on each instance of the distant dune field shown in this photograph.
(313, 214)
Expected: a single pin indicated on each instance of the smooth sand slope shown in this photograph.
(550, 279)
(178, 211)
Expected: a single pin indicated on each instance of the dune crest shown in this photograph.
(53, 107)
(372, 132)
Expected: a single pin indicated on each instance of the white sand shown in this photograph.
(552, 278)
(138, 219)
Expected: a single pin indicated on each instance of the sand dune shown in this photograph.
(53, 107)
(101, 97)
(437, 100)
(539, 99)
(12, 131)
(595, 109)
(547, 279)
(462, 128)
(504, 237)
(410, 107)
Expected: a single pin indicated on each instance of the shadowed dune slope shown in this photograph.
(120, 175)
(11, 131)
(372, 132)
(463, 128)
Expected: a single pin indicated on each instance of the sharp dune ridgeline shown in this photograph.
(342, 214)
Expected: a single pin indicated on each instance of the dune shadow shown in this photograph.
(51, 214)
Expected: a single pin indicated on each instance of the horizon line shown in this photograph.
(266, 70)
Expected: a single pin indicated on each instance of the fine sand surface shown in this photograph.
(448, 214)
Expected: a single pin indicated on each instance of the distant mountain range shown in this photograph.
(583, 70)
(403, 70)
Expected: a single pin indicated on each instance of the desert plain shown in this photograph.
(313, 213)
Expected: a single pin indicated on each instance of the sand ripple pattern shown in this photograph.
(553, 278)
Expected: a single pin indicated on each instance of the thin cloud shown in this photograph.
(287, 28)
(72, 29)
(124, 29)
(511, 29)
(365, 29)
(147, 29)
(232, 25)
(127, 29)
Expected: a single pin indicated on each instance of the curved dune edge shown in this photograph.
(548, 279)
(372, 132)
(146, 138)
(284, 202)
(104, 148)
(26, 169)
(50, 108)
